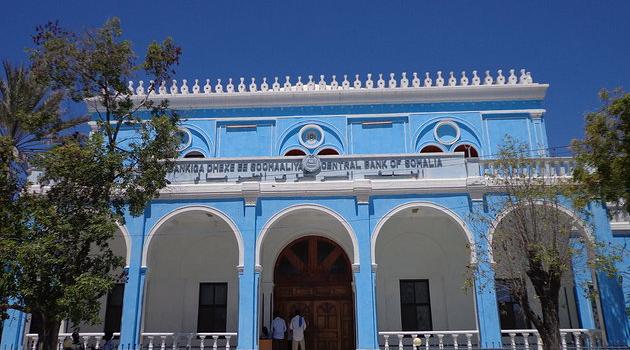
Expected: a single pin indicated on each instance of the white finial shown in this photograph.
(512, 79)
(345, 84)
(452, 81)
(322, 83)
(369, 83)
(253, 87)
(184, 87)
(488, 79)
(196, 87)
(218, 87)
(380, 83)
(140, 88)
(357, 82)
(276, 85)
(230, 86)
(299, 86)
(530, 80)
(464, 79)
(130, 87)
(264, 86)
(392, 81)
(404, 82)
(415, 82)
(310, 86)
(174, 87)
(439, 81)
(334, 84)
(500, 78)
(523, 78)
(241, 86)
(207, 88)
(151, 86)
(476, 80)
(287, 84)
(427, 81)
(163, 87)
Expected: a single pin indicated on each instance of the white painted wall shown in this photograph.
(426, 245)
(190, 249)
(119, 248)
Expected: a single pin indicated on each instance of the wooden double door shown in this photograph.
(313, 275)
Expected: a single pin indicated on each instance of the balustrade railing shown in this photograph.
(430, 340)
(175, 341)
(571, 339)
(538, 167)
(89, 340)
(415, 81)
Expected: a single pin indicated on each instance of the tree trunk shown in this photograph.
(49, 333)
(550, 334)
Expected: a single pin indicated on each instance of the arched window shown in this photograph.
(295, 152)
(194, 154)
(431, 149)
(469, 151)
(328, 152)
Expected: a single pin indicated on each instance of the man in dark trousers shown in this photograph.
(278, 329)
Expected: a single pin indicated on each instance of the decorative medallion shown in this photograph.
(186, 140)
(446, 132)
(311, 163)
(311, 136)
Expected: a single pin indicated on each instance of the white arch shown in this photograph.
(127, 238)
(582, 225)
(213, 211)
(269, 224)
(398, 209)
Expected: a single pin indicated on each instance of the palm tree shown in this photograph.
(30, 113)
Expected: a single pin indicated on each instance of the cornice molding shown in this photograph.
(361, 96)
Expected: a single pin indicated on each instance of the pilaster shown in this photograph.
(364, 280)
(248, 280)
(131, 323)
(13, 330)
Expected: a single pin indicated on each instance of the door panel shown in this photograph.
(309, 278)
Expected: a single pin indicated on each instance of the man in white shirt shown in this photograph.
(278, 328)
(298, 325)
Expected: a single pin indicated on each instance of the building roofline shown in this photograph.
(333, 94)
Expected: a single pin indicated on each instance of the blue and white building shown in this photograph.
(346, 198)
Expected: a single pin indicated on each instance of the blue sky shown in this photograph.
(578, 47)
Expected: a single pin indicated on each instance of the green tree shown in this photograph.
(30, 113)
(603, 155)
(529, 236)
(56, 257)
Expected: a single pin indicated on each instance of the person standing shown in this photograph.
(278, 329)
(298, 325)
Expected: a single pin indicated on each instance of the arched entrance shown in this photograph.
(313, 274)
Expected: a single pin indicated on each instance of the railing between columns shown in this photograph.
(90, 340)
(174, 341)
(430, 339)
(571, 338)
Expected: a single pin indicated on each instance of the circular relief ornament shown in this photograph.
(186, 140)
(311, 163)
(311, 136)
(446, 132)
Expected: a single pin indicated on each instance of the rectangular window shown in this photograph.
(415, 305)
(510, 313)
(114, 307)
(212, 316)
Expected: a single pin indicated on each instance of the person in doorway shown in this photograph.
(278, 328)
(298, 326)
(109, 344)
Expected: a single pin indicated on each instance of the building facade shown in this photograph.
(347, 200)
